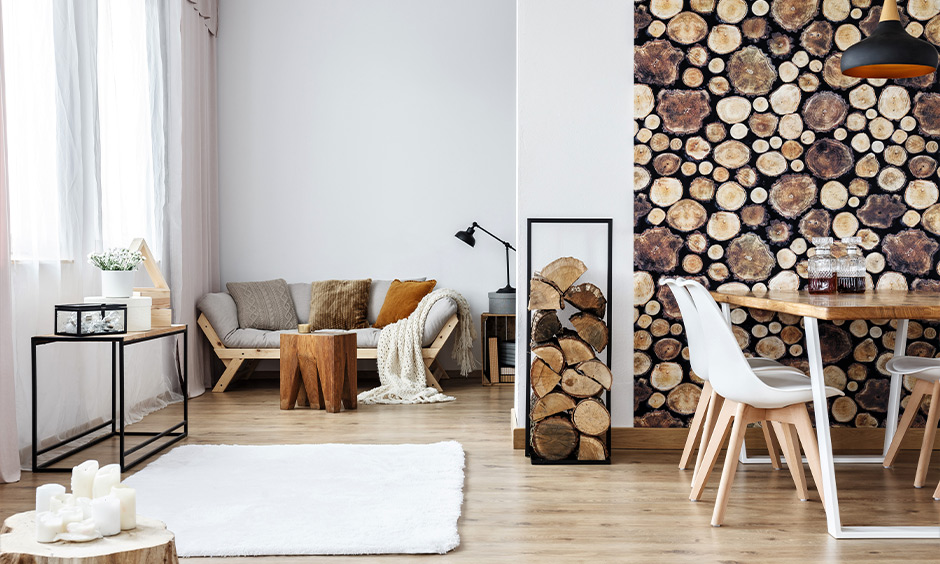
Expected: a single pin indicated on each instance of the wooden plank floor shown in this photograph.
(636, 510)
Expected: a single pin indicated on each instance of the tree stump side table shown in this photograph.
(319, 367)
(149, 542)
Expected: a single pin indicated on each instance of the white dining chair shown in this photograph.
(926, 374)
(750, 398)
(709, 401)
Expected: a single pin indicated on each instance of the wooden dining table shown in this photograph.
(872, 305)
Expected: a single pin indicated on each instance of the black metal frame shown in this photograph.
(528, 356)
(118, 343)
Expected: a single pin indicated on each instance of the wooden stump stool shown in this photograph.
(325, 363)
(149, 542)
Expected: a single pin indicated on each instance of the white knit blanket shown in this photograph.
(401, 366)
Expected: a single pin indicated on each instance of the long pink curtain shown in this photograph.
(194, 239)
(9, 453)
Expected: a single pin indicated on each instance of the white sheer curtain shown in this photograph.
(86, 168)
(9, 459)
(193, 185)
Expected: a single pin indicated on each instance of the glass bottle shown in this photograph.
(852, 267)
(823, 268)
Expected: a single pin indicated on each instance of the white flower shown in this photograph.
(116, 259)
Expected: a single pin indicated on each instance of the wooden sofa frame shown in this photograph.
(236, 359)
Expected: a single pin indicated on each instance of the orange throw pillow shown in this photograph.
(401, 300)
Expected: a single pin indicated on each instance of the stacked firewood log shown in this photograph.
(569, 417)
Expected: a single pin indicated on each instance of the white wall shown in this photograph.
(574, 103)
(357, 136)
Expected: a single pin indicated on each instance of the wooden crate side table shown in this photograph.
(319, 368)
(496, 328)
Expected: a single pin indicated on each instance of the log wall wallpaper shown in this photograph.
(749, 142)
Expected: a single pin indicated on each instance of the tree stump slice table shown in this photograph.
(150, 542)
(319, 368)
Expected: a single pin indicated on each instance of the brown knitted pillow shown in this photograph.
(339, 304)
(264, 305)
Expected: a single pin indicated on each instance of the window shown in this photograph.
(29, 80)
(124, 73)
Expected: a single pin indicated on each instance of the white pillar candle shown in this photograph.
(85, 528)
(44, 495)
(48, 525)
(106, 478)
(85, 504)
(106, 511)
(128, 498)
(59, 501)
(83, 478)
(70, 514)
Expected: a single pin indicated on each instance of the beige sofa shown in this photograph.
(242, 348)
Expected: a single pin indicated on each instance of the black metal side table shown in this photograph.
(118, 343)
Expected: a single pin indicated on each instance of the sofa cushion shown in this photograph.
(300, 293)
(402, 299)
(222, 313)
(440, 312)
(255, 339)
(377, 297)
(264, 305)
(339, 304)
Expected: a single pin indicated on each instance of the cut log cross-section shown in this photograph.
(578, 385)
(588, 298)
(597, 371)
(554, 438)
(591, 417)
(544, 295)
(543, 378)
(591, 448)
(551, 354)
(575, 349)
(592, 329)
(551, 404)
(545, 326)
(563, 272)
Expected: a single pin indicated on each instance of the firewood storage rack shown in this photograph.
(609, 222)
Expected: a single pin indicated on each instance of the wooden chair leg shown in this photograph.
(715, 441)
(696, 426)
(773, 448)
(227, 376)
(930, 432)
(438, 370)
(921, 388)
(804, 428)
(731, 463)
(429, 377)
(714, 408)
(936, 493)
(791, 452)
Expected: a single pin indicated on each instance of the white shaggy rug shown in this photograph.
(306, 499)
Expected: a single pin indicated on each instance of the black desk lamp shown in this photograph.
(467, 237)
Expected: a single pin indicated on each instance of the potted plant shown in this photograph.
(117, 271)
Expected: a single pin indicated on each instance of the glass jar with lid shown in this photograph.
(852, 267)
(823, 268)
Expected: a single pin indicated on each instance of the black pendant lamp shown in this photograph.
(889, 52)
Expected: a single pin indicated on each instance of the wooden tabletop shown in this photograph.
(130, 336)
(870, 305)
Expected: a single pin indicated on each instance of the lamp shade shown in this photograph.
(889, 52)
(466, 236)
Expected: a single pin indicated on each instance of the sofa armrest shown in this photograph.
(440, 313)
(222, 313)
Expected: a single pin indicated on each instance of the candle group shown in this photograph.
(99, 505)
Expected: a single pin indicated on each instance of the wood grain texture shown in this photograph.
(867, 306)
(514, 511)
(149, 542)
